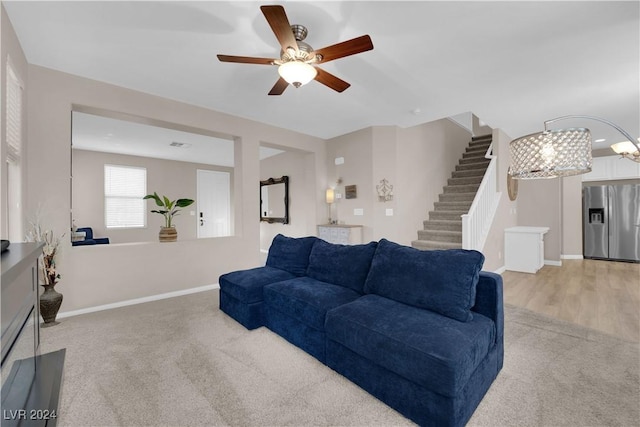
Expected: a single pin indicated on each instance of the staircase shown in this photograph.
(443, 229)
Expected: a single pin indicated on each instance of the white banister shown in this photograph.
(476, 223)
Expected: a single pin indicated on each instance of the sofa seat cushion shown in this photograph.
(307, 300)
(344, 265)
(431, 350)
(443, 281)
(246, 285)
(290, 253)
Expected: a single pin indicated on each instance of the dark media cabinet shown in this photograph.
(30, 381)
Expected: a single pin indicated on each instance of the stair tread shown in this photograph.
(473, 161)
(444, 197)
(460, 188)
(444, 237)
(468, 193)
(470, 166)
(480, 141)
(429, 244)
(454, 204)
(479, 146)
(474, 154)
(441, 232)
(469, 173)
(465, 180)
(451, 211)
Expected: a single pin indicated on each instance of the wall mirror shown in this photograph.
(274, 200)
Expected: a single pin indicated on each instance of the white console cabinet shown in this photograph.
(524, 248)
(341, 233)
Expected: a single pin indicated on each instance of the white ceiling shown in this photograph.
(97, 133)
(514, 64)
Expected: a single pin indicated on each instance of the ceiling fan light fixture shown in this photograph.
(297, 73)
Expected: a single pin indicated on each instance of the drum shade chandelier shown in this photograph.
(562, 152)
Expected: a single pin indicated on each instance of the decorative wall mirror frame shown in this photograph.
(274, 200)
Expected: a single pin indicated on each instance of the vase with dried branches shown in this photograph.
(50, 299)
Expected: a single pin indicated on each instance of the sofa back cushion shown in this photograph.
(290, 253)
(343, 265)
(443, 281)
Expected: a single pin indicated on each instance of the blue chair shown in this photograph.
(89, 239)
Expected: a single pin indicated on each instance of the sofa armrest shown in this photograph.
(489, 301)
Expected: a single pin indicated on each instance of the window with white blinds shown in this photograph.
(124, 188)
(14, 115)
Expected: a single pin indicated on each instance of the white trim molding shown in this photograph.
(571, 257)
(138, 301)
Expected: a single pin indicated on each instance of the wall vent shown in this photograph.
(179, 144)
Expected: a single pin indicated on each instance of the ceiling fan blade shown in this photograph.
(331, 81)
(279, 87)
(277, 19)
(349, 47)
(246, 59)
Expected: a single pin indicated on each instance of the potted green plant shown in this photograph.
(169, 209)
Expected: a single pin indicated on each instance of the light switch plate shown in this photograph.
(388, 212)
(339, 160)
(358, 212)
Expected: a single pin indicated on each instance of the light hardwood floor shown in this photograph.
(602, 295)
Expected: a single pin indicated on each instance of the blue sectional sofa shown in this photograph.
(420, 330)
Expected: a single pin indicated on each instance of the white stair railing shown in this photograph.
(477, 223)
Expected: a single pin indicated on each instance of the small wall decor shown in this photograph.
(385, 191)
(350, 192)
(512, 187)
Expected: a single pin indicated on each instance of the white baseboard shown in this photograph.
(500, 270)
(554, 263)
(571, 257)
(138, 301)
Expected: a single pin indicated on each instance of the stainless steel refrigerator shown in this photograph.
(611, 222)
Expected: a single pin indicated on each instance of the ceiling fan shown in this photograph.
(298, 61)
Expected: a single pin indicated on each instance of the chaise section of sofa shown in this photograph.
(241, 292)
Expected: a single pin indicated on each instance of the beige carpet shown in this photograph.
(182, 362)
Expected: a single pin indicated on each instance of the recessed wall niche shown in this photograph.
(173, 156)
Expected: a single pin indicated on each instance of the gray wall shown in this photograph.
(417, 161)
(295, 165)
(137, 270)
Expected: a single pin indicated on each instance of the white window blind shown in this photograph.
(124, 188)
(14, 116)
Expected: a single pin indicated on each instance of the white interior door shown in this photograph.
(214, 203)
